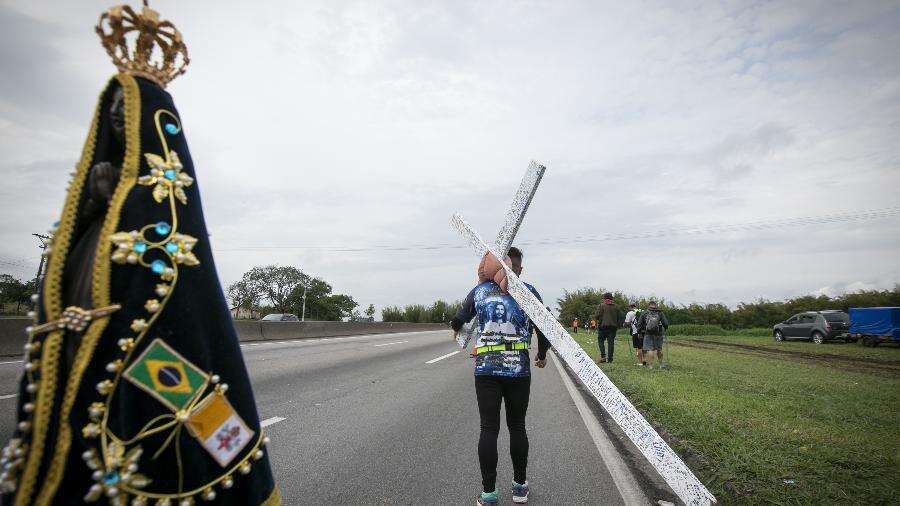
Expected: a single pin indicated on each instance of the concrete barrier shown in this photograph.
(276, 331)
(12, 330)
(12, 335)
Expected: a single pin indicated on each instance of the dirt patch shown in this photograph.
(853, 364)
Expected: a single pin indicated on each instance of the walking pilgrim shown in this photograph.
(134, 390)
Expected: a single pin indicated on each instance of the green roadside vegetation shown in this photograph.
(762, 422)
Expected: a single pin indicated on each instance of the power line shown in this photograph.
(663, 231)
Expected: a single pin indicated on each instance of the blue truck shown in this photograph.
(875, 325)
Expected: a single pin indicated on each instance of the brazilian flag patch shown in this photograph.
(163, 373)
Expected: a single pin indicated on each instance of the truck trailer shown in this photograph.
(874, 325)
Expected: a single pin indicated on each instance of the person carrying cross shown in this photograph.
(502, 370)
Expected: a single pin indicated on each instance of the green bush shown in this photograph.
(757, 315)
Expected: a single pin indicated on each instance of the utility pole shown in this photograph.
(45, 242)
(303, 313)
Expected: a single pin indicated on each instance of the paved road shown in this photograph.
(368, 420)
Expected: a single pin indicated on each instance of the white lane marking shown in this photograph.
(11, 362)
(625, 481)
(388, 344)
(8, 396)
(442, 357)
(271, 421)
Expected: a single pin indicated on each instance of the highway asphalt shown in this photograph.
(384, 419)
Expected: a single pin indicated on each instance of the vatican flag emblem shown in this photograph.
(219, 428)
(166, 375)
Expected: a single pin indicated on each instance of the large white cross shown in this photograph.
(509, 229)
(669, 465)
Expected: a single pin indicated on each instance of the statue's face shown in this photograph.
(117, 114)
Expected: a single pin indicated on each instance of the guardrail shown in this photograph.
(12, 330)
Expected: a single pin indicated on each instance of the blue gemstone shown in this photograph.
(171, 128)
(170, 175)
(140, 247)
(172, 247)
(163, 228)
(158, 266)
(111, 478)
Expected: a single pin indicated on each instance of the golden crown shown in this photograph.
(141, 44)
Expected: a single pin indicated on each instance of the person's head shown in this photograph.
(500, 311)
(607, 295)
(652, 305)
(515, 255)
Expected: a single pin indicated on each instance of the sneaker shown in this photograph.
(602, 360)
(520, 492)
(486, 499)
(664, 366)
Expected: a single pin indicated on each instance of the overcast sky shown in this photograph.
(368, 124)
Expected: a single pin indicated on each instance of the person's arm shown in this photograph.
(465, 313)
(665, 320)
(640, 321)
(543, 343)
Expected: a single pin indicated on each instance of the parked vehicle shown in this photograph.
(280, 317)
(817, 326)
(875, 325)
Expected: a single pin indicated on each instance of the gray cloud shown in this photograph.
(366, 124)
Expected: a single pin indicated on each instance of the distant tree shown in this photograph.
(321, 303)
(339, 306)
(275, 283)
(13, 291)
(243, 295)
(283, 288)
(370, 311)
(581, 304)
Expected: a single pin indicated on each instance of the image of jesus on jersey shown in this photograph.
(499, 327)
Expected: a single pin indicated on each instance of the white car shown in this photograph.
(280, 317)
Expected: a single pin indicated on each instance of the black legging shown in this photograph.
(490, 390)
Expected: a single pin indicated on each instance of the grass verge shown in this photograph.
(761, 426)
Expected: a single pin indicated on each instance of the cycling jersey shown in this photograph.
(499, 321)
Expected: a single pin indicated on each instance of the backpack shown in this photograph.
(653, 323)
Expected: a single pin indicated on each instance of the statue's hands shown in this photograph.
(102, 181)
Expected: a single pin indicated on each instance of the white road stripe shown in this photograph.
(442, 357)
(8, 396)
(271, 421)
(11, 362)
(388, 344)
(621, 475)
